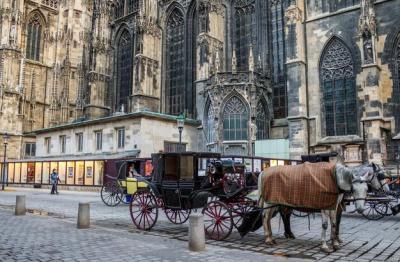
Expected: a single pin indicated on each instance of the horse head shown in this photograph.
(359, 188)
(377, 178)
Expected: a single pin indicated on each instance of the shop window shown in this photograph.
(89, 166)
(17, 173)
(46, 173)
(61, 171)
(11, 172)
(98, 173)
(38, 172)
(80, 172)
(71, 173)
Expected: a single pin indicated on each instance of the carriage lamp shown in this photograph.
(6, 137)
(181, 122)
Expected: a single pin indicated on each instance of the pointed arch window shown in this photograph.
(124, 70)
(210, 124)
(262, 121)
(34, 38)
(396, 86)
(245, 31)
(236, 118)
(338, 89)
(279, 58)
(133, 6)
(119, 9)
(191, 51)
(175, 64)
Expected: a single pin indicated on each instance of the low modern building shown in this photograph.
(123, 135)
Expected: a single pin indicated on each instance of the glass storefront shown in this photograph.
(91, 172)
(85, 173)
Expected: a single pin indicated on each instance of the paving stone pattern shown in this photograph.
(363, 240)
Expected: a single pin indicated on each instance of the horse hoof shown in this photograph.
(289, 236)
(326, 249)
(336, 246)
(270, 242)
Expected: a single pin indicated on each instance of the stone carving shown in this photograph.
(337, 61)
(368, 48)
(293, 14)
(253, 131)
(234, 62)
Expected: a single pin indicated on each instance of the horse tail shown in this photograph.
(260, 189)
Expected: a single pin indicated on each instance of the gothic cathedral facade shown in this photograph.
(324, 75)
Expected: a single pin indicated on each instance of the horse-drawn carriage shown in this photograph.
(183, 182)
(120, 181)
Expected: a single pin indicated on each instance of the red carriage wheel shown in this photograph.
(144, 210)
(177, 216)
(218, 222)
(240, 208)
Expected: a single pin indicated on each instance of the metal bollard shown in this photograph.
(20, 208)
(83, 215)
(197, 240)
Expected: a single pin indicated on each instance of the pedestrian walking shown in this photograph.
(54, 179)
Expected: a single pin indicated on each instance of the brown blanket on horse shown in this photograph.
(309, 185)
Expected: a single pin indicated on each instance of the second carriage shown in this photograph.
(183, 182)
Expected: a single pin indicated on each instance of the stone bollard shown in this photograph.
(20, 208)
(84, 215)
(196, 233)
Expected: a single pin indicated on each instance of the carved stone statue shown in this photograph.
(253, 131)
(368, 48)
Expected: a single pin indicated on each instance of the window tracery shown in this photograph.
(175, 64)
(210, 124)
(245, 31)
(339, 90)
(279, 58)
(235, 120)
(124, 70)
(34, 38)
(119, 9)
(262, 121)
(51, 3)
(133, 6)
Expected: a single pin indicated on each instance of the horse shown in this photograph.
(347, 180)
(377, 182)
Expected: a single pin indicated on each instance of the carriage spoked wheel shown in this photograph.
(218, 222)
(143, 209)
(177, 216)
(111, 194)
(240, 208)
(370, 212)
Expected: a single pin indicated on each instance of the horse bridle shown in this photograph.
(378, 174)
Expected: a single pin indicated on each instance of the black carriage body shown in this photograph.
(177, 179)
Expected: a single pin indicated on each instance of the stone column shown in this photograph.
(296, 80)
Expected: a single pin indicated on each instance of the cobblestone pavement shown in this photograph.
(363, 240)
